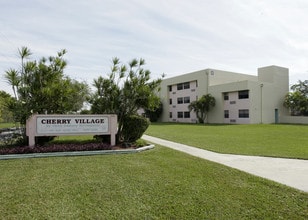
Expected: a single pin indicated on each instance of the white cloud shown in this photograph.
(174, 37)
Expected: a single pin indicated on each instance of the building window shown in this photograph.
(243, 113)
(170, 101)
(187, 99)
(186, 85)
(180, 86)
(226, 113)
(232, 102)
(170, 114)
(170, 88)
(243, 94)
(226, 96)
(180, 100)
(186, 114)
(180, 114)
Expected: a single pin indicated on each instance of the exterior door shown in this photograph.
(276, 116)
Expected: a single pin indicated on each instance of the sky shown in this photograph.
(173, 36)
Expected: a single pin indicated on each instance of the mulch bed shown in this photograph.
(59, 148)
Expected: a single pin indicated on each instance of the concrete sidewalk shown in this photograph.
(291, 172)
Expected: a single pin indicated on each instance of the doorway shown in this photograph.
(276, 116)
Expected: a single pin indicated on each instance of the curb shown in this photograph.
(75, 153)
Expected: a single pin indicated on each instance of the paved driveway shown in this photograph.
(291, 172)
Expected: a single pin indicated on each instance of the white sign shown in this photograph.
(58, 125)
(71, 125)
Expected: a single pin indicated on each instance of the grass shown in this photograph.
(73, 139)
(7, 125)
(290, 141)
(157, 184)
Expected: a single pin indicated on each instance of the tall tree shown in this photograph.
(24, 53)
(302, 87)
(125, 90)
(13, 78)
(43, 87)
(202, 106)
(297, 101)
(5, 114)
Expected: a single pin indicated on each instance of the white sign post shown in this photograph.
(60, 125)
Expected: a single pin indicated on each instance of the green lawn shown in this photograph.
(156, 184)
(265, 140)
(7, 125)
(73, 139)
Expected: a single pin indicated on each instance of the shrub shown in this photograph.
(55, 148)
(133, 128)
(140, 143)
(103, 138)
(40, 140)
(12, 137)
(154, 115)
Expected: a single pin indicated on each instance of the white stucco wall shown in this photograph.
(266, 93)
(293, 119)
(199, 84)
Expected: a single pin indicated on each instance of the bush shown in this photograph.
(154, 115)
(133, 128)
(103, 138)
(12, 137)
(55, 148)
(141, 143)
(40, 140)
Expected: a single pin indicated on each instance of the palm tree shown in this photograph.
(202, 106)
(13, 79)
(24, 53)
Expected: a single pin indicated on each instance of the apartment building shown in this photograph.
(240, 98)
